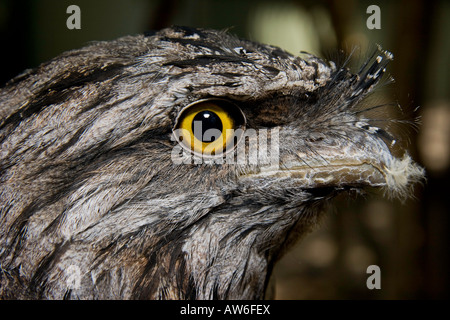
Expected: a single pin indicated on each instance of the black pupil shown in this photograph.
(207, 126)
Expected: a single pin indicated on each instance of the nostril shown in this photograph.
(317, 139)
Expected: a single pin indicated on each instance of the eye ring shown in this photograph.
(209, 127)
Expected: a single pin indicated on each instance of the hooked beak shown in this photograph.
(346, 165)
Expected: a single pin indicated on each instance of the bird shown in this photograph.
(180, 164)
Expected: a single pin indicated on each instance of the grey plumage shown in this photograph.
(87, 179)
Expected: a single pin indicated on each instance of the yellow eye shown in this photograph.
(209, 127)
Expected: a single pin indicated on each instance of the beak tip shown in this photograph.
(401, 175)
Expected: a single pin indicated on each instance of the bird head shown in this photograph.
(179, 164)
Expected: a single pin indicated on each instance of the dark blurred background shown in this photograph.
(409, 242)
